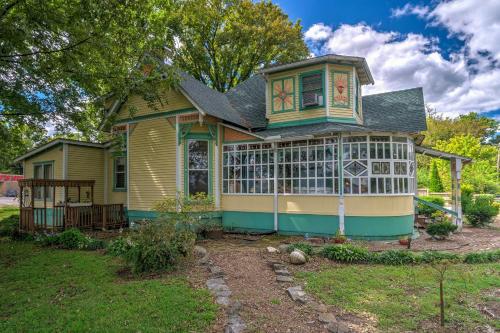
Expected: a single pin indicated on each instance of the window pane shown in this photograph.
(198, 181)
(198, 155)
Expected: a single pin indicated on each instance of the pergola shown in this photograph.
(456, 163)
(42, 208)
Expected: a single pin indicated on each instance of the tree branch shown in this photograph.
(8, 7)
(69, 47)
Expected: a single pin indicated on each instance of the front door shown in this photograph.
(198, 166)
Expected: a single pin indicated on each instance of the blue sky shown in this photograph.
(449, 48)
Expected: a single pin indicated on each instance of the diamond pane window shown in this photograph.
(283, 95)
(355, 168)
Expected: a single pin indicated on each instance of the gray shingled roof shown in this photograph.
(249, 99)
(396, 111)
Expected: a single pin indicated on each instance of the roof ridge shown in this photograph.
(394, 91)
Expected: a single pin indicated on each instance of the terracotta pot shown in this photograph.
(214, 234)
(339, 240)
(405, 241)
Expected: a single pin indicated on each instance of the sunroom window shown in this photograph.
(311, 90)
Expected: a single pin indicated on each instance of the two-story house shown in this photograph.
(294, 149)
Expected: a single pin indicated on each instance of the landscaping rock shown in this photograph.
(338, 327)
(234, 308)
(200, 252)
(297, 257)
(321, 308)
(271, 249)
(327, 318)
(283, 272)
(278, 267)
(212, 283)
(204, 261)
(236, 325)
(282, 278)
(283, 248)
(297, 294)
(222, 300)
(216, 272)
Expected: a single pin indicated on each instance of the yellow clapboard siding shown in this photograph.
(152, 163)
(86, 163)
(114, 197)
(297, 114)
(173, 100)
(378, 205)
(54, 155)
(247, 203)
(327, 205)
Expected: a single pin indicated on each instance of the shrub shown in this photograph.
(430, 257)
(395, 257)
(345, 253)
(304, 247)
(482, 257)
(72, 239)
(9, 226)
(118, 247)
(466, 197)
(93, 244)
(481, 211)
(47, 239)
(426, 210)
(158, 246)
(441, 230)
(435, 183)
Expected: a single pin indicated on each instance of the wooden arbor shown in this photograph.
(54, 204)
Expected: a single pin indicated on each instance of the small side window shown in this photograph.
(120, 173)
(312, 94)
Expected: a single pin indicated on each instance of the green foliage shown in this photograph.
(118, 247)
(159, 245)
(394, 257)
(9, 226)
(441, 230)
(481, 211)
(304, 247)
(93, 244)
(482, 257)
(430, 257)
(346, 253)
(72, 239)
(223, 43)
(466, 197)
(427, 210)
(435, 184)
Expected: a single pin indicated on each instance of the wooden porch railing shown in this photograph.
(62, 217)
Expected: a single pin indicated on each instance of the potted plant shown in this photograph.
(339, 238)
(404, 240)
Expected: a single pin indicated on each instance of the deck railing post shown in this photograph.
(20, 207)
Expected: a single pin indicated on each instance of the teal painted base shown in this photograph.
(356, 227)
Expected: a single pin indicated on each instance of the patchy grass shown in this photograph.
(407, 298)
(6, 212)
(52, 290)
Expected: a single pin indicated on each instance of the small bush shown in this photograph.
(118, 247)
(482, 257)
(72, 239)
(395, 257)
(430, 257)
(345, 253)
(47, 239)
(481, 211)
(304, 247)
(426, 210)
(441, 230)
(93, 244)
(9, 227)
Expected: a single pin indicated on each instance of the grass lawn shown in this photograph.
(407, 298)
(47, 290)
(7, 212)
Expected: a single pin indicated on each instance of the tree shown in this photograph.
(435, 184)
(223, 42)
(57, 56)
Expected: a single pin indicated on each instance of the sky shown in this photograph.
(450, 48)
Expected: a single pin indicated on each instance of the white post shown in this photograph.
(217, 169)
(341, 187)
(456, 168)
(275, 205)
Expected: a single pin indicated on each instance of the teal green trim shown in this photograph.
(305, 108)
(282, 87)
(436, 206)
(356, 227)
(134, 215)
(349, 84)
(314, 225)
(378, 227)
(156, 115)
(247, 221)
(313, 121)
(119, 189)
(356, 96)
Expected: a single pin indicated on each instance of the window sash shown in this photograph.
(120, 173)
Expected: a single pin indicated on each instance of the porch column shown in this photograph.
(456, 168)
(275, 189)
(341, 186)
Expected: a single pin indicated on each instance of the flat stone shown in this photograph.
(283, 272)
(321, 308)
(215, 282)
(297, 294)
(283, 248)
(271, 249)
(338, 327)
(282, 278)
(200, 251)
(204, 261)
(216, 272)
(278, 267)
(327, 318)
(234, 308)
(222, 300)
(222, 293)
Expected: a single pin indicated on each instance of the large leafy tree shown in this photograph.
(223, 42)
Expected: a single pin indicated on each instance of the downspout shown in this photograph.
(341, 188)
(275, 198)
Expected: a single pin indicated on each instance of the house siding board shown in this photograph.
(293, 204)
(151, 164)
(231, 135)
(296, 114)
(114, 197)
(379, 205)
(174, 101)
(86, 163)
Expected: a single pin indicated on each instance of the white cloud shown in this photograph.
(401, 61)
(318, 32)
(408, 9)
